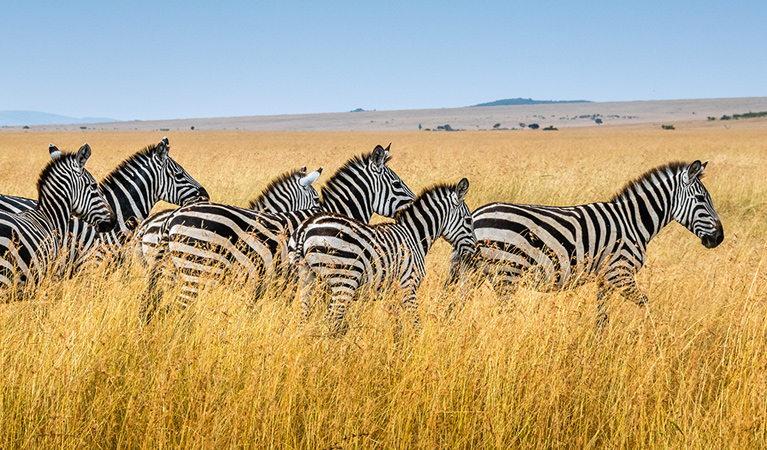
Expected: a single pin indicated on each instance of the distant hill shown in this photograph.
(20, 118)
(527, 101)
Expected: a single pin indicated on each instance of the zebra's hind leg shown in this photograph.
(306, 277)
(505, 290)
(150, 299)
(341, 295)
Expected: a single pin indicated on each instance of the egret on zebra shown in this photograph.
(348, 255)
(132, 189)
(209, 240)
(564, 247)
(30, 241)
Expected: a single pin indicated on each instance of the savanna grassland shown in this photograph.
(79, 370)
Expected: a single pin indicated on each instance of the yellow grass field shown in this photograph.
(688, 371)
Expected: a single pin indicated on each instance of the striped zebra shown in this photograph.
(30, 241)
(564, 247)
(132, 189)
(348, 254)
(213, 239)
(289, 191)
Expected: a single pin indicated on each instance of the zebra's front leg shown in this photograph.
(410, 301)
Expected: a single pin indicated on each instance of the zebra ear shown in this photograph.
(695, 170)
(311, 178)
(460, 191)
(54, 151)
(83, 155)
(162, 149)
(378, 158)
(302, 170)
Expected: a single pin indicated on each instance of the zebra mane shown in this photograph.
(425, 193)
(146, 152)
(664, 171)
(65, 156)
(272, 184)
(355, 161)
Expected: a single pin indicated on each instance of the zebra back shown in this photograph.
(289, 191)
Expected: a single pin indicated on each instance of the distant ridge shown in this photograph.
(527, 101)
(20, 118)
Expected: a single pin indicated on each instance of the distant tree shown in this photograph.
(598, 121)
(25, 127)
(711, 118)
(522, 125)
(448, 127)
(668, 127)
(550, 128)
(192, 127)
(725, 117)
(533, 126)
(497, 125)
(419, 126)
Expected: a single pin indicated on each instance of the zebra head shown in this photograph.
(692, 206)
(459, 226)
(291, 191)
(87, 202)
(390, 193)
(174, 183)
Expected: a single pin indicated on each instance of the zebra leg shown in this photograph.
(306, 278)
(152, 294)
(603, 293)
(341, 295)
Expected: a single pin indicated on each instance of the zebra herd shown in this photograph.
(291, 234)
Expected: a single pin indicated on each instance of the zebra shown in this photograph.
(30, 241)
(132, 189)
(565, 247)
(348, 254)
(214, 238)
(289, 191)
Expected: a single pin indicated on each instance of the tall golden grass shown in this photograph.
(688, 371)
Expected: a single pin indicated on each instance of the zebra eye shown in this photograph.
(397, 184)
(700, 197)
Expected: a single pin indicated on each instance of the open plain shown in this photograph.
(687, 371)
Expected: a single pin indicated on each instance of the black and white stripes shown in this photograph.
(561, 247)
(132, 189)
(208, 239)
(348, 254)
(30, 241)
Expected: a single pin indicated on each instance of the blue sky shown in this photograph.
(162, 60)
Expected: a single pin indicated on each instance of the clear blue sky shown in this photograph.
(160, 60)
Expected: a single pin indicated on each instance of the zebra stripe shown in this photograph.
(348, 254)
(564, 247)
(132, 189)
(30, 241)
(288, 192)
(212, 237)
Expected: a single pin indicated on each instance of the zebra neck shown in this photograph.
(424, 229)
(646, 211)
(55, 210)
(347, 200)
(128, 193)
